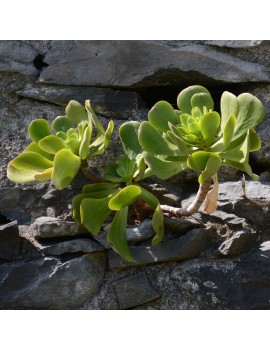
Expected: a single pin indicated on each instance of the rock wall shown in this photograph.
(218, 261)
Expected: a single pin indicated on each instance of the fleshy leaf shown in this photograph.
(161, 114)
(229, 130)
(84, 147)
(94, 213)
(93, 117)
(99, 187)
(178, 142)
(38, 129)
(153, 142)
(184, 98)
(66, 166)
(198, 160)
(244, 167)
(125, 197)
(254, 141)
(61, 124)
(128, 133)
(76, 112)
(21, 176)
(52, 144)
(158, 225)
(44, 176)
(240, 154)
(32, 161)
(161, 168)
(202, 100)
(35, 148)
(229, 106)
(210, 123)
(117, 235)
(251, 113)
(212, 166)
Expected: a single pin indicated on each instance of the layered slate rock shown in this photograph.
(227, 284)
(49, 283)
(17, 56)
(143, 64)
(50, 227)
(10, 241)
(187, 246)
(241, 241)
(236, 44)
(135, 290)
(105, 101)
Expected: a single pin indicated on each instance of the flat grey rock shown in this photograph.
(105, 101)
(48, 283)
(17, 56)
(143, 64)
(239, 284)
(187, 246)
(135, 290)
(241, 242)
(10, 241)
(71, 246)
(50, 227)
(236, 44)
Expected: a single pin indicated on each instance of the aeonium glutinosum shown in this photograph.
(98, 201)
(58, 154)
(197, 137)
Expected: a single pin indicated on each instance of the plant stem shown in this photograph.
(89, 174)
(196, 204)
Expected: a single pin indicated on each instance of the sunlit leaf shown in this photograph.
(161, 114)
(125, 197)
(210, 123)
(38, 129)
(202, 100)
(161, 168)
(117, 235)
(198, 160)
(152, 141)
(251, 113)
(52, 144)
(32, 161)
(244, 167)
(128, 133)
(229, 130)
(66, 166)
(158, 225)
(84, 147)
(61, 124)
(239, 154)
(184, 98)
(35, 148)
(229, 106)
(44, 176)
(76, 112)
(93, 117)
(178, 142)
(212, 166)
(254, 141)
(21, 176)
(94, 213)
(99, 187)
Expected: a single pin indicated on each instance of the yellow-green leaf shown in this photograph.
(38, 129)
(76, 112)
(210, 123)
(125, 197)
(161, 114)
(52, 144)
(84, 147)
(61, 124)
(229, 130)
(32, 161)
(212, 166)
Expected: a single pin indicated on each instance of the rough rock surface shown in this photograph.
(143, 64)
(48, 283)
(238, 44)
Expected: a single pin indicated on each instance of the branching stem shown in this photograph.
(196, 204)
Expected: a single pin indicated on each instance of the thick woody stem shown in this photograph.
(89, 174)
(196, 204)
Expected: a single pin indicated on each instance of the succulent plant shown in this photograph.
(197, 137)
(121, 190)
(59, 154)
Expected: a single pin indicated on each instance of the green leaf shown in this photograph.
(117, 235)
(184, 98)
(210, 123)
(84, 147)
(229, 130)
(93, 117)
(52, 144)
(244, 167)
(196, 112)
(38, 129)
(149, 198)
(141, 168)
(99, 187)
(128, 133)
(158, 225)
(153, 142)
(163, 169)
(191, 138)
(212, 166)
(66, 166)
(94, 213)
(198, 160)
(161, 114)
(101, 143)
(125, 197)
(35, 148)
(178, 142)
(76, 112)
(251, 113)
(229, 106)
(202, 100)
(21, 176)
(44, 176)
(195, 128)
(61, 135)
(61, 124)
(254, 141)
(29, 160)
(239, 154)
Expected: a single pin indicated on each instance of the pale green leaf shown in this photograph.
(184, 98)
(212, 166)
(161, 114)
(229, 130)
(76, 112)
(128, 133)
(198, 160)
(38, 129)
(210, 123)
(61, 124)
(202, 100)
(125, 197)
(229, 106)
(29, 160)
(52, 144)
(84, 147)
